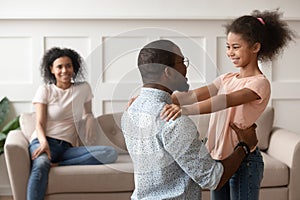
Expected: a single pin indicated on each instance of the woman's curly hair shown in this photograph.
(54, 53)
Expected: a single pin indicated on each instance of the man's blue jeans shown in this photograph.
(245, 183)
(63, 153)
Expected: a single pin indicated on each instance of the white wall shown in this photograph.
(108, 34)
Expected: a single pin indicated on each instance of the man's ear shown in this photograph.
(168, 72)
(256, 47)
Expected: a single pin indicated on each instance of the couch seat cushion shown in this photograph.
(276, 173)
(116, 177)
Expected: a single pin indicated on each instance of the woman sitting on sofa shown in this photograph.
(60, 104)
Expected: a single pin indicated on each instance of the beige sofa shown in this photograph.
(281, 153)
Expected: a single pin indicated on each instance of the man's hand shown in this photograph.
(247, 136)
(232, 162)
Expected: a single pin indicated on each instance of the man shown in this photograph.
(170, 162)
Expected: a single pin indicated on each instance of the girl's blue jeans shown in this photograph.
(245, 183)
(63, 153)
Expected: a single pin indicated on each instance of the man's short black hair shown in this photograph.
(154, 58)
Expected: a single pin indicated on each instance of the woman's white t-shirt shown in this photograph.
(64, 109)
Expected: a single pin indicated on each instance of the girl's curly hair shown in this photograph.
(264, 27)
(54, 53)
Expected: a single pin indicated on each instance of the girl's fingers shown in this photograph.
(170, 112)
(165, 111)
(178, 114)
(131, 101)
(169, 116)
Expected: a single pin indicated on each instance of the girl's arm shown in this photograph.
(213, 104)
(196, 95)
(41, 117)
(221, 102)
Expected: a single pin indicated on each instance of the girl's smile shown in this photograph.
(239, 51)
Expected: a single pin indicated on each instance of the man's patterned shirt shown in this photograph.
(170, 162)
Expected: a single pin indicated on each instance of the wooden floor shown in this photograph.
(6, 198)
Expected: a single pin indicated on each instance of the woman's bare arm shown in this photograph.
(41, 117)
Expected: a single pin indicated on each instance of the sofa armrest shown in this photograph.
(285, 147)
(18, 163)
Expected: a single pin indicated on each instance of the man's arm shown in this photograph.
(231, 165)
(180, 139)
(247, 140)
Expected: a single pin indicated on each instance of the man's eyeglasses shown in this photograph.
(185, 61)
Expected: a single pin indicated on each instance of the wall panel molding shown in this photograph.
(28, 28)
(110, 49)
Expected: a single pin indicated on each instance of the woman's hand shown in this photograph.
(171, 111)
(88, 129)
(44, 147)
(91, 130)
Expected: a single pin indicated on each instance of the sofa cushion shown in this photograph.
(276, 173)
(27, 124)
(264, 128)
(112, 135)
(116, 177)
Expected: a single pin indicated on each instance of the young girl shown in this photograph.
(237, 97)
(60, 104)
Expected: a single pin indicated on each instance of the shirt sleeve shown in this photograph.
(181, 140)
(41, 95)
(89, 95)
(261, 87)
(218, 81)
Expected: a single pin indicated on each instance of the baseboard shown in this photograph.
(5, 191)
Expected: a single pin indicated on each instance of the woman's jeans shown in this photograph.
(63, 153)
(245, 183)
